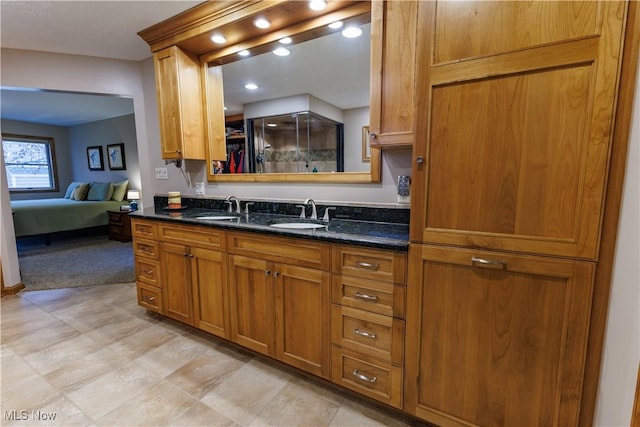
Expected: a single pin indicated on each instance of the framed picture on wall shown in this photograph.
(115, 155)
(95, 159)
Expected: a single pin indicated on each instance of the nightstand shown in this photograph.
(119, 226)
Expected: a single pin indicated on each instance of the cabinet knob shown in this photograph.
(149, 299)
(374, 136)
(420, 159)
(276, 274)
(267, 272)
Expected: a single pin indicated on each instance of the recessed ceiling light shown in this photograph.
(226, 108)
(243, 53)
(286, 40)
(317, 4)
(272, 125)
(262, 23)
(281, 51)
(335, 25)
(251, 86)
(218, 39)
(351, 32)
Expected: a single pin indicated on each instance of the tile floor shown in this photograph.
(92, 356)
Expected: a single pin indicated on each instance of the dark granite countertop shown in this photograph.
(382, 235)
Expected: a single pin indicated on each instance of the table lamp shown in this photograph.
(133, 196)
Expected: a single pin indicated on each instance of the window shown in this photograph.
(30, 163)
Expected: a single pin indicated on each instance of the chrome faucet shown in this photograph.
(230, 201)
(314, 212)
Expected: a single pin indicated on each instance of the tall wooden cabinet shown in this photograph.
(179, 92)
(515, 104)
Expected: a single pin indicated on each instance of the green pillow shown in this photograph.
(80, 193)
(119, 190)
(70, 189)
(109, 192)
(98, 191)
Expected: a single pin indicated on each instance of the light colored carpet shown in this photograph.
(75, 261)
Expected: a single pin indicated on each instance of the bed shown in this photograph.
(77, 210)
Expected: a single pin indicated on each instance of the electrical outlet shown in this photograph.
(162, 173)
(199, 188)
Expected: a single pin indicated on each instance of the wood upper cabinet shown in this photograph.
(499, 344)
(515, 104)
(393, 54)
(280, 299)
(178, 88)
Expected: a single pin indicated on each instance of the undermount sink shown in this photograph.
(216, 217)
(297, 225)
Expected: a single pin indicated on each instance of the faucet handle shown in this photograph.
(326, 214)
(246, 207)
(302, 213)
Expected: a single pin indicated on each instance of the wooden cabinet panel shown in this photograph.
(302, 318)
(393, 53)
(368, 333)
(514, 141)
(371, 377)
(209, 281)
(377, 297)
(141, 228)
(150, 297)
(146, 248)
(148, 271)
(373, 264)
(252, 304)
(203, 237)
(177, 290)
(499, 339)
(179, 93)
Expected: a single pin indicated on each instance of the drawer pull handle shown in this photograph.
(488, 262)
(362, 377)
(147, 271)
(364, 334)
(367, 265)
(366, 297)
(146, 249)
(149, 299)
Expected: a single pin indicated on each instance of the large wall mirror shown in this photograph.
(305, 119)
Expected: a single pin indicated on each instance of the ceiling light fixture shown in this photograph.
(335, 25)
(251, 86)
(286, 40)
(352, 32)
(282, 51)
(262, 23)
(272, 125)
(244, 52)
(317, 5)
(218, 39)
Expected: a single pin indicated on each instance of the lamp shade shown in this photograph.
(133, 195)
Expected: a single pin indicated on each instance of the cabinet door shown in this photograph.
(252, 303)
(177, 291)
(179, 104)
(302, 318)
(393, 53)
(209, 279)
(515, 123)
(496, 341)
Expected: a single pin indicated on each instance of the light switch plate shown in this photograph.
(199, 188)
(162, 173)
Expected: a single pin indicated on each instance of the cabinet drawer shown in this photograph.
(299, 252)
(145, 248)
(378, 380)
(150, 297)
(377, 297)
(190, 235)
(148, 271)
(368, 333)
(374, 264)
(144, 229)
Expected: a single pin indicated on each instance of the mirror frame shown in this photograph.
(213, 98)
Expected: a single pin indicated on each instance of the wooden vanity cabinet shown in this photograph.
(147, 265)
(179, 92)
(393, 55)
(195, 276)
(279, 299)
(367, 321)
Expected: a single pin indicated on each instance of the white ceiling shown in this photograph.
(106, 29)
